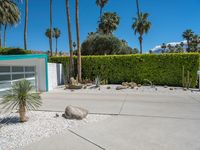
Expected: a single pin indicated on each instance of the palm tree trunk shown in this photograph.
(0, 36)
(5, 27)
(138, 9)
(49, 47)
(51, 50)
(188, 45)
(70, 39)
(140, 40)
(78, 43)
(22, 113)
(56, 46)
(26, 24)
(101, 10)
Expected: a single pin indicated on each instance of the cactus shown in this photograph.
(186, 80)
(97, 81)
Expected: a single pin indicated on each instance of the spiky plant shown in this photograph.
(22, 98)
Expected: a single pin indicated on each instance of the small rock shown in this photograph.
(139, 85)
(108, 87)
(171, 89)
(72, 112)
(184, 89)
(165, 86)
(56, 116)
(156, 89)
(85, 87)
(121, 87)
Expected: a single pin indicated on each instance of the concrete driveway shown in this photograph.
(141, 120)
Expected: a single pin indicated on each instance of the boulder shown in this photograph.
(72, 112)
(121, 87)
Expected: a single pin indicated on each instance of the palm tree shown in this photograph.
(164, 46)
(78, 43)
(141, 25)
(12, 17)
(26, 24)
(22, 98)
(9, 15)
(188, 34)
(109, 23)
(49, 34)
(57, 33)
(101, 4)
(70, 39)
(51, 50)
(138, 8)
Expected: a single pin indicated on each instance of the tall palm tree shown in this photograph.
(12, 17)
(138, 8)
(109, 23)
(70, 39)
(141, 25)
(101, 4)
(26, 24)
(22, 98)
(51, 49)
(188, 34)
(49, 33)
(9, 15)
(57, 33)
(78, 43)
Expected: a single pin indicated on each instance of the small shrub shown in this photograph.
(14, 51)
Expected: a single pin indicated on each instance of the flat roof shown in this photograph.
(26, 56)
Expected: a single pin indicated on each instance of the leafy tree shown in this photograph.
(101, 4)
(22, 98)
(188, 34)
(100, 44)
(57, 34)
(49, 34)
(109, 23)
(141, 25)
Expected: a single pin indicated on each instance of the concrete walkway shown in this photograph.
(140, 121)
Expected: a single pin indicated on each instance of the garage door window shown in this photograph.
(11, 74)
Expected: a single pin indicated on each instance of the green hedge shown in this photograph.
(163, 69)
(13, 51)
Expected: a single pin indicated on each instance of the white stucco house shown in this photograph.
(32, 67)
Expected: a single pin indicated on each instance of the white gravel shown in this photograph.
(40, 125)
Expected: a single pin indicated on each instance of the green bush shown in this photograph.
(100, 44)
(163, 69)
(13, 51)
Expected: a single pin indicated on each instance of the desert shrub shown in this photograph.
(163, 69)
(13, 51)
(99, 44)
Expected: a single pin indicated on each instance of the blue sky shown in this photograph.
(169, 19)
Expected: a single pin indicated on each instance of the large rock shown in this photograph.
(72, 112)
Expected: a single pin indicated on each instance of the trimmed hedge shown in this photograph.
(13, 51)
(163, 69)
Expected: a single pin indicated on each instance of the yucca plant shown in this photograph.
(22, 98)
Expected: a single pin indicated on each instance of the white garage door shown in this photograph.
(11, 74)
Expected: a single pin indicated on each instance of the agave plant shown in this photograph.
(22, 98)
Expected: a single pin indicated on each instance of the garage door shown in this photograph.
(12, 74)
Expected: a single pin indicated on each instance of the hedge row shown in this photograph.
(13, 51)
(163, 69)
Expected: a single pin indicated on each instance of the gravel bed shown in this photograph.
(40, 125)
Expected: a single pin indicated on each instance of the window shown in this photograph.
(29, 69)
(5, 77)
(4, 69)
(17, 76)
(17, 69)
